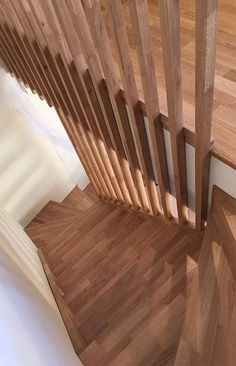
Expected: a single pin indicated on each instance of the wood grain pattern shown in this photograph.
(76, 338)
(120, 39)
(67, 53)
(140, 21)
(223, 131)
(125, 277)
(207, 337)
(170, 34)
(206, 23)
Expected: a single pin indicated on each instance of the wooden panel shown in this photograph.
(206, 23)
(170, 34)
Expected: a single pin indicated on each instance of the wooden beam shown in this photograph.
(206, 25)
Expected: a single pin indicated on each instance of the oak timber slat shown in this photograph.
(18, 22)
(170, 34)
(86, 113)
(107, 121)
(10, 52)
(206, 25)
(94, 16)
(139, 16)
(27, 53)
(120, 39)
(52, 81)
(97, 118)
(91, 147)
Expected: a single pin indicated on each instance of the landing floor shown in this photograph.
(224, 125)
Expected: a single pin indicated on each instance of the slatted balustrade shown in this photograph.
(64, 51)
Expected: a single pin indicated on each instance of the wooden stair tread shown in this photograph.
(116, 266)
(54, 211)
(78, 228)
(208, 333)
(40, 234)
(80, 199)
(121, 273)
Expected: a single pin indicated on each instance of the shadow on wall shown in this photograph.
(37, 161)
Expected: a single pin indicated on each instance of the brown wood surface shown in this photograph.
(206, 26)
(170, 35)
(125, 277)
(76, 339)
(54, 48)
(223, 126)
(209, 327)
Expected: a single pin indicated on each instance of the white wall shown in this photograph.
(31, 329)
(37, 160)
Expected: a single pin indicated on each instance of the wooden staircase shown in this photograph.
(138, 290)
(121, 278)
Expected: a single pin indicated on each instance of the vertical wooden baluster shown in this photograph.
(50, 66)
(63, 78)
(26, 51)
(96, 84)
(103, 48)
(8, 61)
(89, 96)
(80, 102)
(170, 34)
(120, 39)
(139, 17)
(206, 26)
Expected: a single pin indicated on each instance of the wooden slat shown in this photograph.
(25, 46)
(80, 34)
(170, 33)
(118, 29)
(90, 164)
(104, 51)
(101, 117)
(83, 107)
(62, 78)
(139, 17)
(206, 24)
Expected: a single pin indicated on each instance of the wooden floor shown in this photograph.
(224, 125)
(126, 278)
